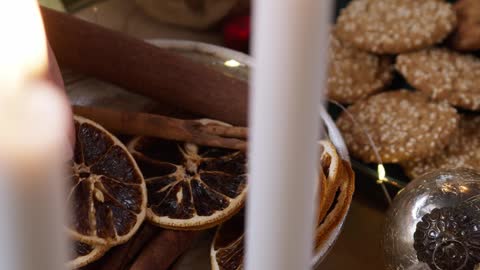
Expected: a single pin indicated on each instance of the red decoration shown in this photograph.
(236, 33)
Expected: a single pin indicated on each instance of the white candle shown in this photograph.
(290, 44)
(33, 130)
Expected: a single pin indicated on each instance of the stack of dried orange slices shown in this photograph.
(336, 188)
(186, 187)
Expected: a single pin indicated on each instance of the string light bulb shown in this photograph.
(232, 63)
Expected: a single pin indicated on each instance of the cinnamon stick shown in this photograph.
(145, 69)
(121, 257)
(195, 131)
(159, 253)
(150, 248)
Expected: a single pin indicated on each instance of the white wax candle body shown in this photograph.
(290, 45)
(32, 179)
(32, 205)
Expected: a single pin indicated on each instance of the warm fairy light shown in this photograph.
(381, 174)
(463, 189)
(232, 63)
(23, 50)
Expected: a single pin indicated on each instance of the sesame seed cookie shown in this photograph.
(403, 125)
(444, 75)
(463, 151)
(355, 74)
(395, 26)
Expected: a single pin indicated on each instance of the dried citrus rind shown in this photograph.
(339, 207)
(228, 246)
(330, 167)
(107, 192)
(83, 254)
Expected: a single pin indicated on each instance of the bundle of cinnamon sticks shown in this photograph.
(140, 67)
(168, 128)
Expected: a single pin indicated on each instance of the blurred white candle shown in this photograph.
(290, 44)
(33, 119)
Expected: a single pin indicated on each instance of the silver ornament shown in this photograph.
(434, 223)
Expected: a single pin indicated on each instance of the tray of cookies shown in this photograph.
(407, 75)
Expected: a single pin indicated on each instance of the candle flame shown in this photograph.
(23, 50)
(33, 114)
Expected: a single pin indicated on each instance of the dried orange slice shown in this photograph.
(107, 192)
(227, 249)
(83, 254)
(190, 187)
(338, 209)
(330, 162)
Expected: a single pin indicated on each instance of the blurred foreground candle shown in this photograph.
(33, 119)
(289, 46)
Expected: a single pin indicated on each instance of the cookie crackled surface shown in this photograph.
(395, 26)
(354, 74)
(462, 151)
(403, 125)
(444, 75)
